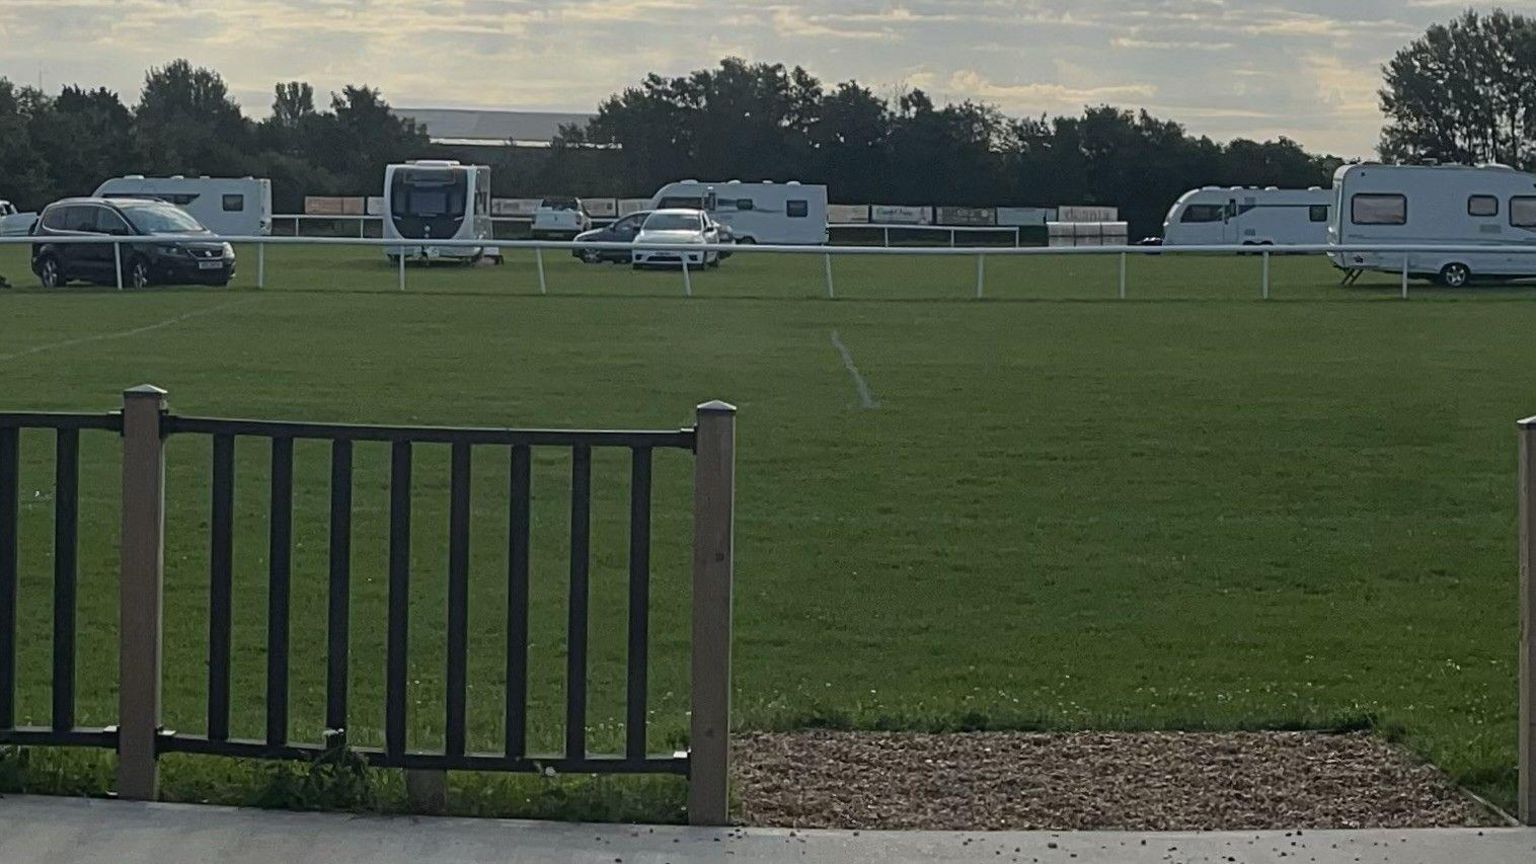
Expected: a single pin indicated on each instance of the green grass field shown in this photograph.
(1187, 509)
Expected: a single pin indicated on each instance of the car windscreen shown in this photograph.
(672, 222)
(162, 219)
(429, 194)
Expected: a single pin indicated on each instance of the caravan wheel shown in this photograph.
(1455, 275)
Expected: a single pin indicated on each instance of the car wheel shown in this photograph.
(138, 273)
(48, 272)
(591, 256)
(1455, 275)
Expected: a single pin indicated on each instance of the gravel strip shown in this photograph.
(1153, 781)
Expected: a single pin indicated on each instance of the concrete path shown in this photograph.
(79, 831)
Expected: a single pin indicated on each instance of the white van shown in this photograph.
(227, 206)
(1217, 216)
(560, 219)
(1436, 205)
(767, 212)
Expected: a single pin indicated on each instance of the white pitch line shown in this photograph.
(121, 334)
(867, 400)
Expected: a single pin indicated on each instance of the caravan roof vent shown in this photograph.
(436, 163)
(133, 176)
(793, 183)
(1271, 188)
(177, 177)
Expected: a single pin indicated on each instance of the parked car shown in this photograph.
(677, 228)
(619, 231)
(162, 244)
(12, 223)
(560, 218)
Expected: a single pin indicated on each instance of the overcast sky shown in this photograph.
(1256, 68)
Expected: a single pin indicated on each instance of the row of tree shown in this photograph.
(1465, 92)
(185, 122)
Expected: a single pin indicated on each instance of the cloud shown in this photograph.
(1032, 98)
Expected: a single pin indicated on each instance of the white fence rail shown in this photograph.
(980, 253)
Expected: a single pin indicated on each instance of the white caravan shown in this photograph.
(787, 213)
(1436, 205)
(1217, 216)
(227, 206)
(436, 199)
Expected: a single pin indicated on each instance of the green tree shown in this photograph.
(24, 175)
(1464, 92)
(186, 123)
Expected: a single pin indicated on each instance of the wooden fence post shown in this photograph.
(1526, 803)
(714, 491)
(139, 592)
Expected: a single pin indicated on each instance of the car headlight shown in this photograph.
(169, 249)
(229, 251)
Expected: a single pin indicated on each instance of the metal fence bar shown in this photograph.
(279, 569)
(1264, 290)
(1122, 275)
(714, 493)
(140, 584)
(576, 624)
(1526, 792)
(66, 523)
(831, 291)
(1405, 277)
(338, 615)
(687, 277)
(639, 601)
(261, 265)
(220, 584)
(538, 259)
(399, 597)
(458, 598)
(10, 513)
(517, 604)
(117, 263)
(981, 274)
(401, 258)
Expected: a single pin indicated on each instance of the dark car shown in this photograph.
(621, 230)
(162, 244)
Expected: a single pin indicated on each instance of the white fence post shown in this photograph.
(538, 259)
(361, 222)
(831, 291)
(1405, 275)
(1526, 795)
(401, 259)
(687, 277)
(886, 232)
(117, 263)
(981, 274)
(1266, 274)
(1122, 275)
(261, 264)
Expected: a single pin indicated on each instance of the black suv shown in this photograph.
(163, 245)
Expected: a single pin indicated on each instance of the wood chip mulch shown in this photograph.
(1155, 781)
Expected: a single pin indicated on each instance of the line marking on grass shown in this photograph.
(867, 399)
(122, 334)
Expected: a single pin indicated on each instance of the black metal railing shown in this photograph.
(138, 736)
(62, 729)
(403, 442)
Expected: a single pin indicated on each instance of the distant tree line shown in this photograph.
(185, 122)
(1465, 92)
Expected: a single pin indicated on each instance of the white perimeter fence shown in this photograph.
(886, 229)
(827, 253)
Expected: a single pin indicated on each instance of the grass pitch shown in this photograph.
(1201, 512)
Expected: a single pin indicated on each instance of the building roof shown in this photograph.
(489, 128)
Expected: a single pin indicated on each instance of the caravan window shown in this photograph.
(1378, 209)
(1522, 211)
(744, 204)
(680, 202)
(234, 203)
(797, 209)
(1203, 213)
(1318, 213)
(1482, 205)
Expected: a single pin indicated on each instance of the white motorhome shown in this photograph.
(227, 206)
(767, 212)
(1436, 205)
(437, 199)
(1218, 216)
